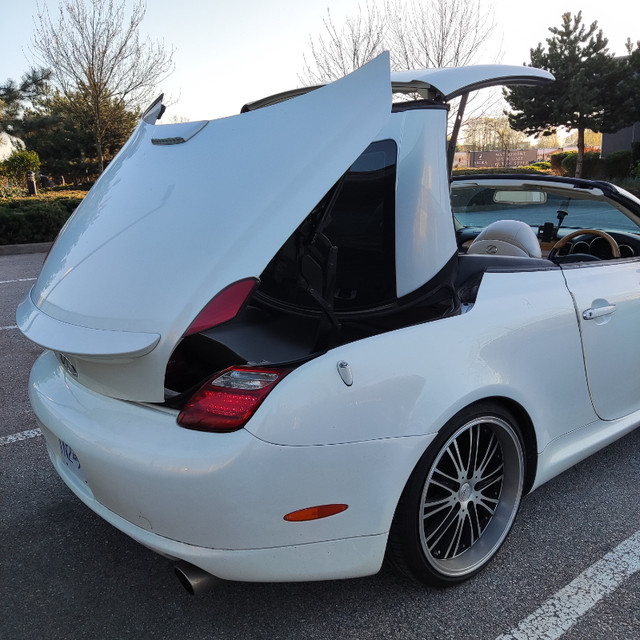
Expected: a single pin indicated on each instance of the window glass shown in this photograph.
(477, 206)
(344, 252)
(362, 226)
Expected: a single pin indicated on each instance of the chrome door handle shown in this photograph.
(598, 312)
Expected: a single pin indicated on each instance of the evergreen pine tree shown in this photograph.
(593, 89)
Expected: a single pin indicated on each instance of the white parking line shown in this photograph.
(560, 612)
(11, 326)
(17, 280)
(23, 435)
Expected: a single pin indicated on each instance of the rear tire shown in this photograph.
(461, 500)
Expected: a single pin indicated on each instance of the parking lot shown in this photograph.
(65, 573)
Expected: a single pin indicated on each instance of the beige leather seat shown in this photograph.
(507, 238)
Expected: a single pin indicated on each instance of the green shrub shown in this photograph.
(542, 166)
(18, 163)
(24, 220)
(618, 164)
(555, 160)
(9, 189)
(569, 163)
(591, 164)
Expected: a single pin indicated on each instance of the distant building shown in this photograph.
(621, 140)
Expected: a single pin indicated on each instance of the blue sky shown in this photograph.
(229, 53)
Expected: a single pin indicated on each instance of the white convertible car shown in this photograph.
(273, 353)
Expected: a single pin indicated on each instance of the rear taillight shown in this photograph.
(226, 402)
(224, 306)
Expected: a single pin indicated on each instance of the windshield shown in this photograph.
(476, 206)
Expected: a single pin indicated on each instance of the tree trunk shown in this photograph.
(580, 152)
(99, 154)
(98, 129)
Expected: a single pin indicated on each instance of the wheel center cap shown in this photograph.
(465, 492)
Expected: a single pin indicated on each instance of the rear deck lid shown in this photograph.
(183, 211)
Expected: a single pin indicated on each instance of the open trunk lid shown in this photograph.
(183, 211)
(449, 83)
(441, 85)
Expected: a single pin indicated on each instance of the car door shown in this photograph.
(607, 300)
(606, 292)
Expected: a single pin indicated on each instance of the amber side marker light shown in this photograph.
(315, 513)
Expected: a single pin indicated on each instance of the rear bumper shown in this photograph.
(218, 500)
(328, 560)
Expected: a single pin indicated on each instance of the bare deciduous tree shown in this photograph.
(437, 33)
(339, 51)
(98, 58)
(493, 133)
(418, 34)
(591, 139)
(443, 33)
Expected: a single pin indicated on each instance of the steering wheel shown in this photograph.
(615, 249)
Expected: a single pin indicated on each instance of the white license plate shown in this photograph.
(70, 459)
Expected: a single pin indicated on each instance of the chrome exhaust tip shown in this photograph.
(194, 579)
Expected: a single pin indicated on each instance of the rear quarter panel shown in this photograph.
(519, 341)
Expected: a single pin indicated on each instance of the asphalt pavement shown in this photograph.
(65, 573)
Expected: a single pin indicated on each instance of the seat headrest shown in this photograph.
(507, 238)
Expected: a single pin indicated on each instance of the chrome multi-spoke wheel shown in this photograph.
(461, 500)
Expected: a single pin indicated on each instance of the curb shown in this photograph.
(15, 249)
